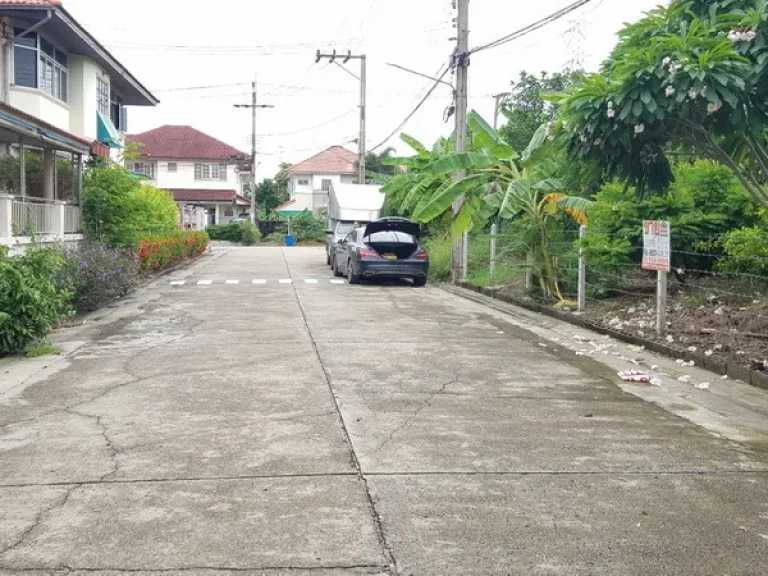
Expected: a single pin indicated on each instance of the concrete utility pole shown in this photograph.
(461, 63)
(497, 108)
(363, 91)
(253, 106)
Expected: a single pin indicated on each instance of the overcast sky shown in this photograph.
(172, 47)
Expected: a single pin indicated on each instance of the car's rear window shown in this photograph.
(344, 228)
(400, 237)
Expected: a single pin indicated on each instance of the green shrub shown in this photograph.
(306, 228)
(746, 250)
(275, 238)
(118, 210)
(31, 302)
(440, 250)
(237, 232)
(159, 252)
(97, 274)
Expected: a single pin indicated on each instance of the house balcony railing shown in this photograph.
(30, 216)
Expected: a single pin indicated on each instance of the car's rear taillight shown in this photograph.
(421, 255)
(365, 253)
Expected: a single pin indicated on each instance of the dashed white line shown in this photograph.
(178, 283)
(232, 282)
(338, 282)
(259, 282)
(204, 282)
(286, 281)
(311, 282)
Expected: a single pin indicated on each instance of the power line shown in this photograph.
(532, 27)
(310, 128)
(416, 109)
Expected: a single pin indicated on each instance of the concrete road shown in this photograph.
(249, 416)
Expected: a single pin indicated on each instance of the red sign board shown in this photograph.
(656, 245)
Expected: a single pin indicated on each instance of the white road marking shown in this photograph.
(178, 283)
(286, 281)
(338, 282)
(259, 282)
(310, 282)
(204, 282)
(233, 282)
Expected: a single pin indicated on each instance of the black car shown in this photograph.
(386, 248)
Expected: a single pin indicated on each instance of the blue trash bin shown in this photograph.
(290, 240)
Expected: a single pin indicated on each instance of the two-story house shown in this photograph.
(311, 179)
(63, 98)
(196, 168)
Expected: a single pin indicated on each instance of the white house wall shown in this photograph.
(83, 89)
(42, 106)
(184, 177)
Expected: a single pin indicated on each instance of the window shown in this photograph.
(303, 182)
(145, 168)
(118, 113)
(102, 97)
(327, 185)
(229, 212)
(211, 172)
(38, 63)
(173, 167)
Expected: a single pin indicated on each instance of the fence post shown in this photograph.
(661, 303)
(494, 230)
(6, 216)
(528, 272)
(57, 220)
(582, 271)
(464, 256)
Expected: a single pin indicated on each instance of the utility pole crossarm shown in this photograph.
(254, 105)
(363, 89)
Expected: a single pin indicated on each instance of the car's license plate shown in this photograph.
(390, 256)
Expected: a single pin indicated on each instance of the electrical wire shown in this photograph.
(416, 109)
(531, 27)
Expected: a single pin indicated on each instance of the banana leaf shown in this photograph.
(445, 196)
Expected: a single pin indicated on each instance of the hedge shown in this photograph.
(159, 252)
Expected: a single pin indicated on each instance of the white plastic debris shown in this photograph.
(709, 353)
(703, 386)
(684, 379)
(654, 367)
(724, 377)
(615, 321)
(680, 361)
(657, 382)
(692, 348)
(670, 339)
(634, 376)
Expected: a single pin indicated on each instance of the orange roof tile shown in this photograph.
(182, 143)
(334, 160)
(33, 2)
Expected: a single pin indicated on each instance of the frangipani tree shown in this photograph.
(692, 75)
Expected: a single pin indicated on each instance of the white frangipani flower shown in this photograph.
(692, 94)
(670, 91)
(639, 128)
(610, 113)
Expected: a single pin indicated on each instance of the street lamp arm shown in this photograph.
(404, 69)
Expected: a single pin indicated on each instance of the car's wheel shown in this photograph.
(351, 276)
(419, 281)
(328, 258)
(335, 268)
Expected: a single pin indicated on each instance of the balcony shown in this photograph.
(37, 217)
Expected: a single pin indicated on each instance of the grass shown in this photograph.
(43, 349)
(503, 275)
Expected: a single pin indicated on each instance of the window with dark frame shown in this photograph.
(145, 168)
(327, 185)
(39, 63)
(173, 167)
(102, 97)
(118, 113)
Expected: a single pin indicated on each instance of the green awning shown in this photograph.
(106, 132)
(140, 176)
(289, 213)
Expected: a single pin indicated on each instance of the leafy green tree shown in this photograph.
(525, 107)
(377, 171)
(269, 195)
(692, 76)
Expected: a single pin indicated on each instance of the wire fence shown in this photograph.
(715, 304)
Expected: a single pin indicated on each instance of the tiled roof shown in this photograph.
(335, 160)
(182, 143)
(41, 124)
(188, 195)
(32, 2)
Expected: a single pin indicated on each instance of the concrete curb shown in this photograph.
(718, 366)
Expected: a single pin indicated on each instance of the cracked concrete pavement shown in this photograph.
(302, 429)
